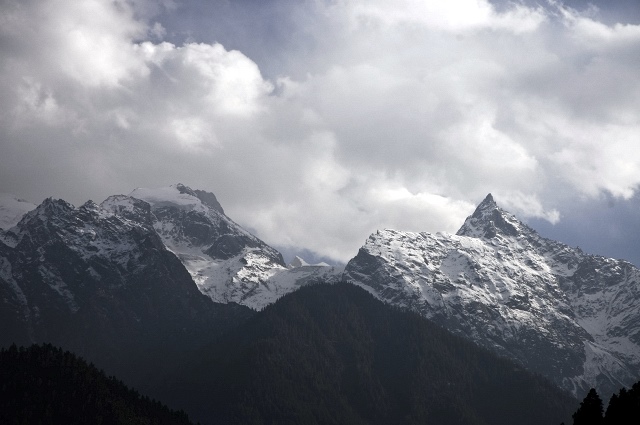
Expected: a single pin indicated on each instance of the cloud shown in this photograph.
(92, 101)
(372, 116)
(88, 42)
(455, 15)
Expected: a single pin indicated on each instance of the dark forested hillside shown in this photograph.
(335, 355)
(45, 385)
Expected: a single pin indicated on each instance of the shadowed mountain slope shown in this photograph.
(104, 286)
(332, 354)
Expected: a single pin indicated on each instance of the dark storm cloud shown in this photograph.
(603, 226)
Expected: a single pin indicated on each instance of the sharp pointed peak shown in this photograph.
(488, 200)
(487, 204)
(489, 220)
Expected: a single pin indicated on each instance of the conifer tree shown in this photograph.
(624, 408)
(590, 410)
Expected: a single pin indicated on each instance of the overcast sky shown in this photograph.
(316, 122)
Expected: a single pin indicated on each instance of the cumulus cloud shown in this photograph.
(92, 92)
(399, 116)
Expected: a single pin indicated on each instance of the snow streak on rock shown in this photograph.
(572, 317)
(227, 263)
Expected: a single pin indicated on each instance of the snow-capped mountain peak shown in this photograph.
(570, 316)
(227, 263)
(489, 220)
(556, 310)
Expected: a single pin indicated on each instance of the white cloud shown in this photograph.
(88, 41)
(596, 158)
(226, 81)
(453, 15)
(399, 115)
(525, 206)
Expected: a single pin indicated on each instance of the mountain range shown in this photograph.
(167, 268)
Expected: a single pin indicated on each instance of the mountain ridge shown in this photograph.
(570, 316)
(228, 263)
(558, 311)
(102, 285)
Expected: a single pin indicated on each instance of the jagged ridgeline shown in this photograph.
(554, 309)
(104, 286)
(46, 385)
(332, 354)
(137, 282)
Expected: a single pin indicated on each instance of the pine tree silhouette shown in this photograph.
(590, 410)
(624, 408)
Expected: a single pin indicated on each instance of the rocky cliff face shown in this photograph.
(100, 283)
(132, 268)
(144, 271)
(227, 263)
(572, 317)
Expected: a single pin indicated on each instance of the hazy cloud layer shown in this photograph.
(369, 114)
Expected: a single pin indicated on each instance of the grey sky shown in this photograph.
(317, 122)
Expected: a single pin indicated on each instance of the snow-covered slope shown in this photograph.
(572, 317)
(227, 263)
(121, 265)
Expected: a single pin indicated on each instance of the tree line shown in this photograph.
(43, 384)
